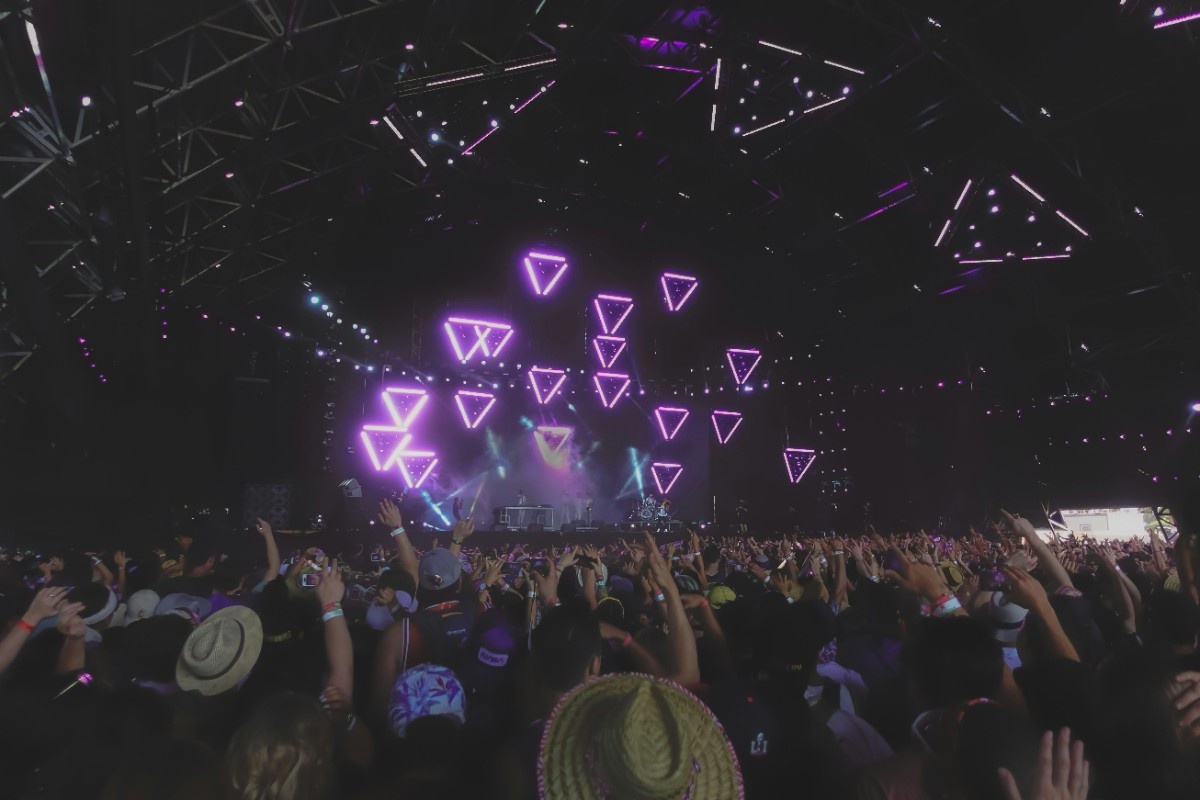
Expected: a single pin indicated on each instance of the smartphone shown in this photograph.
(309, 580)
(993, 580)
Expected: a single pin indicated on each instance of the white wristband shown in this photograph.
(398, 532)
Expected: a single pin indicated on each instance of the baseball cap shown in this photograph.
(428, 690)
(439, 569)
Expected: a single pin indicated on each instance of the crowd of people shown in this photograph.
(991, 663)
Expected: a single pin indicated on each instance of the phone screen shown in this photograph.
(309, 580)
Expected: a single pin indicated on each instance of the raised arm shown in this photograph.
(45, 604)
(273, 559)
(338, 650)
(390, 516)
(1056, 573)
(686, 666)
(1024, 590)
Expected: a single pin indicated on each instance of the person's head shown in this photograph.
(954, 660)
(199, 558)
(440, 573)
(220, 652)
(284, 752)
(153, 645)
(99, 603)
(566, 647)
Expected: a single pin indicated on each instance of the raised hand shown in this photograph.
(1024, 589)
(1062, 771)
(263, 527)
(389, 515)
(70, 624)
(46, 603)
(331, 589)
(463, 529)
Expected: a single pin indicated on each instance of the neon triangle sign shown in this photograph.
(551, 441)
(546, 382)
(670, 420)
(383, 444)
(725, 423)
(742, 362)
(612, 310)
(476, 338)
(404, 405)
(544, 270)
(474, 406)
(416, 466)
(611, 387)
(608, 349)
(665, 475)
(677, 289)
(798, 460)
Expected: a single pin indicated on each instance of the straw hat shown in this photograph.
(635, 737)
(220, 652)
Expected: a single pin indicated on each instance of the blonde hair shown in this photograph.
(284, 752)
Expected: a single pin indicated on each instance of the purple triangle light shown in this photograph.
(665, 476)
(798, 460)
(608, 349)
(546, 382)
(670, 420)
(544, 270)
(551, 441)
(383, 444)
(611, 387)
(612, 311)
(476, 338)
(416, 466)
(404, 405)
(474, 406)
(725, 423)
(677, 289)
(742, 363)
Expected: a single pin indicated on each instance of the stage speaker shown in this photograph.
(568, 527)
(272, 502)
(536, 527)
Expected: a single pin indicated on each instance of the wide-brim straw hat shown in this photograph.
(220, 652)
(635, 737)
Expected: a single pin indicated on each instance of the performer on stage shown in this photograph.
(742, 513)
(522, 500)
(567, 516)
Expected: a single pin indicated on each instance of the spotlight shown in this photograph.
(433, 137)
(1196, 408)
(86, 101)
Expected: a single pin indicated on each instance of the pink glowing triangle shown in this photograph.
(670, 420)
(725, 423)
(383, 444)
(404, 405)
(551, 441)
(677, 289)
(474, 406)
(544, 270)
(742, 363)
(665, 476)
(415, 466)
(608, 349)
(546, 382)
(798, 460)
(610, 386)
(474, 339)
(612, 311)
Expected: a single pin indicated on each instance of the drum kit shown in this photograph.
(650, 509)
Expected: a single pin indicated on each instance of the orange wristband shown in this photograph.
(25, 626)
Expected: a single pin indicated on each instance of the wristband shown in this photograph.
(25, 626)
(481, 586)
(553, 601)
(599, 583)
(96, 561)
(839, 552)
(398, 532)
(947, 608)
(704, 602)
(789, 599)
(627, 640)
(530, 595)
(767, 581)
(332, 615)
(454, 541)
(351, 721)
(325, 609)
(660, 597)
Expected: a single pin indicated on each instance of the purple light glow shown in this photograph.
(962, 195)
(855, 70)
(383, 445)
(798, 460)
(666, 416)
(942, 235)
(533, 97)
(725, 423)
(1046, 257)
(673, 69)
(738, 359)
(764, 127)
(608, 349)
(717, 79)
(889, 206)
(1072, 223)
(485, 336)
(416, 466)
(1167, 23)
(479, 141)
(951, 290)
(673, 285)
(894, 189)
(609, 398)
(541, 63)
(1027, 188)
(546, 382)
(611, 300)
(404, 405)
(544, 268)
(478, 403)
(551, 443)
(780, 48)
(981, 261)
(665, 472)
(457, 79)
